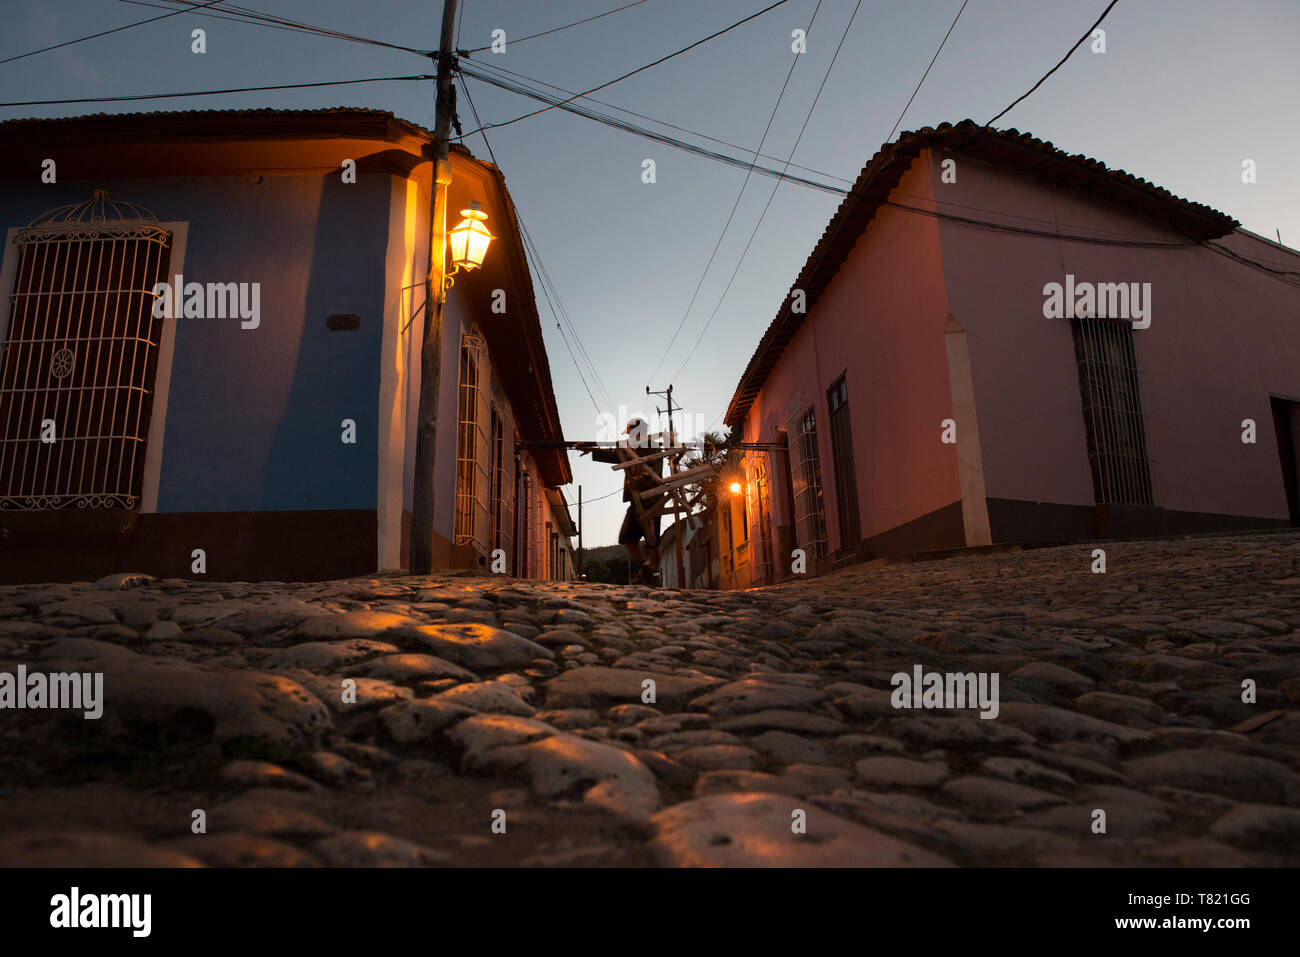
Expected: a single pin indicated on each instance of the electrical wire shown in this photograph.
(672, 126)
(642, 69)
(576, 23)
(890, 137)
(744, 252)
(472, 71)
(734, 206)
(1043, 233)
(239, 14)
(241, 89)
(1058, 66)
(104, 33)
(588, 501)
(544, 280)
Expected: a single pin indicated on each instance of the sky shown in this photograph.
(1185, 91)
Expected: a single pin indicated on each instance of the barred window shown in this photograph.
(1112, 411)
(503, 484)
(80, 355)
(760, 517)
(531, 511)
(806, 475)
(472, 448)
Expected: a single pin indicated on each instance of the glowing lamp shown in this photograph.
(469, 240)
(734, 488)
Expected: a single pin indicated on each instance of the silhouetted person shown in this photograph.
(635, 481)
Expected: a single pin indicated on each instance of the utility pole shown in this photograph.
(677, 515)
(582, 565)
(426, 428)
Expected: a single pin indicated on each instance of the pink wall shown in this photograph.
(881, 322)
(1223, 336)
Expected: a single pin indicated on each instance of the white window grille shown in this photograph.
(806, 477)
(760, 515)
(503, 484)
(473, 451)
(80, 356)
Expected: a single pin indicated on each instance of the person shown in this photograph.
(635, 481)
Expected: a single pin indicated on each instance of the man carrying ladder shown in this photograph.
(638, 478)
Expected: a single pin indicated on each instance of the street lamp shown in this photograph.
(469, 241)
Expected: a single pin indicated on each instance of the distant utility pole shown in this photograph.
(426, 427)
(582, 565)
(677, 515)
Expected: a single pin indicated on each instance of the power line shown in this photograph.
(239, 14)
(672, 126)
(642, 69)
(798, 139)
(104, 33)
(1277, 273)
(890, 137)
(576, 23)
(568, 106)
(734, 206)
(1058, 66)
(544, 280)
(599, 497)
(1043, 233)
(241, 89)
(561, 314)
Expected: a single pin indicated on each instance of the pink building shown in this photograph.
(926, 385)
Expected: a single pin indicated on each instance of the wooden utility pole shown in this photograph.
(676, 496)
(582, 565)
(426, 428)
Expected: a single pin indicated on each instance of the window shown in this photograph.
(806, 477)
(1112, 411)
(532, 510)
(80, 356)
(503, 486)
(760, 487)
(472, 448)
(846, 482)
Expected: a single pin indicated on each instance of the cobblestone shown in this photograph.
(467, 719)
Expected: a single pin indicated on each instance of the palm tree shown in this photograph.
(712, 451)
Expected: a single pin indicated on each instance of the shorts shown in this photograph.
(633, 531)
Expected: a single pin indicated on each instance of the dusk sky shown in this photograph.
(1184, 92)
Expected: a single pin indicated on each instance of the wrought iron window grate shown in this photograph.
(1112, 411)
(79, 357)
(473, 451)
(806, 476)
(760, 516)
(503, 484)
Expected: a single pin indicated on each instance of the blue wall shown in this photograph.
(253, 416)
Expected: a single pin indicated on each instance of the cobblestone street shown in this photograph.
(395, 720)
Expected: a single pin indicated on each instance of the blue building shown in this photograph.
(212, 329)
